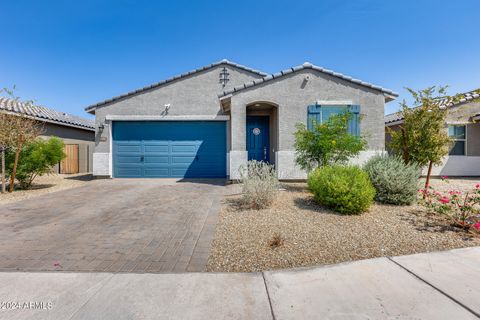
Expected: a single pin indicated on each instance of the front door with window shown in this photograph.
(258, 145)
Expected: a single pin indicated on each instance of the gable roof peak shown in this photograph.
(92, 107)
(390, 94)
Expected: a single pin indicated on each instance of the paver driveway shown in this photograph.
(113, 225)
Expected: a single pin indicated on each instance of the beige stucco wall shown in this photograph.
(463, 112)
(197, 95)
(473, 139)
(293, 95)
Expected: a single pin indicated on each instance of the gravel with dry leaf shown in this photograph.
(296, 232)
(47, 184)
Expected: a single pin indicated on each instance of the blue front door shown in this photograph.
(169, 149)
(258, 145)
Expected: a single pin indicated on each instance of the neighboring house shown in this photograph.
(463, 127)
(77, 133)
(210, 121)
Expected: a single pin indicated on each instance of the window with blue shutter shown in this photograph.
(354, 123)
(314, 116)
(320, 114)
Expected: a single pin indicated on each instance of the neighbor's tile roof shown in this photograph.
(443, 103)
(224, 61)
(307, 65)
(45, 114)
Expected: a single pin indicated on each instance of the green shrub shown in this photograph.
(345, 189)
(327, 143)
(395, 181)
(35, 159)
(259, 184)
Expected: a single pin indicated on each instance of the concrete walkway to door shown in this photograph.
(135, 225)
(441, 285)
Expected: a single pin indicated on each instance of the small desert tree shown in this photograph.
(15, 131)
(23, 130)
(6, 139)
(327, 143)
(422, 138)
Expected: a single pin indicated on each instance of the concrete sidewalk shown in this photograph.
(440, 285)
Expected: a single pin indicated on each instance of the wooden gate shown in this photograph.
(70, 163)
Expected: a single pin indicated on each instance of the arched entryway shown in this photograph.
(262, 131)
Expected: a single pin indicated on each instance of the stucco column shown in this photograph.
(238, 118)
(238, 154)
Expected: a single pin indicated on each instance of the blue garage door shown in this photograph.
(169, 149)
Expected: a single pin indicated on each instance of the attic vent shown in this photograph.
(224, 77)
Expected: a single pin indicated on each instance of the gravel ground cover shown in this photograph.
(445, 185)
(296, 232)
(46, 184)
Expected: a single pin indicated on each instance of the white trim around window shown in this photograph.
(464, 139)
(335, 102)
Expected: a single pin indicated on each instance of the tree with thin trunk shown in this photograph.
(6, 140)
(15, 131)
(422, 138)
(2, 155)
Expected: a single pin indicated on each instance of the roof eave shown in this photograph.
(390, 97)
(389, 94)
(92, 107)
(60, 123)
(393, 123)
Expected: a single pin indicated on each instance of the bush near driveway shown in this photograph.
(345, 189)
(36, 158)
(259, 184)
(395, 182)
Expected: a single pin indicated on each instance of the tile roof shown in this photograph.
(180, 76)
(45, 114)
(443, 103)
(307, 65)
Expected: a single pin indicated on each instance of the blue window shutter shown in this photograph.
(313, 115)
(354, 123)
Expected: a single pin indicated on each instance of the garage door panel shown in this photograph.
(121, 159)
(128, 172)
(169, 149)
(183, 159)
(129, 147)
(157, 172)
(178, 172)
(156, 148)
(156, 159)
(184, 148)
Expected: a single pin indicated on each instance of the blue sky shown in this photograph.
(69, 54)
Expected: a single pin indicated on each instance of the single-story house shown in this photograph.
(462, 123)
(77, 133)
(210, 121)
